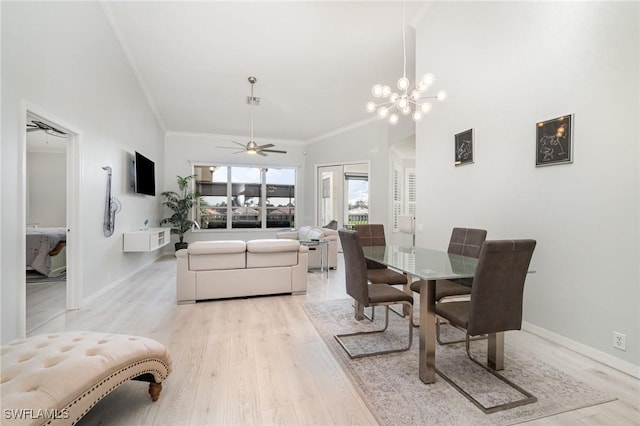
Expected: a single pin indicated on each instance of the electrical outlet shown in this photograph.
(619, 341)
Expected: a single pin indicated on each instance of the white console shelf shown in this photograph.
(146, 239)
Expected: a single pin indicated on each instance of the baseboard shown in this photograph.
(115, 283)
(594, 354)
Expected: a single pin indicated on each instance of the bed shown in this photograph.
(46, 250)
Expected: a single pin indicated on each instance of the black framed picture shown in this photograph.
(464, 148)
(554, 141)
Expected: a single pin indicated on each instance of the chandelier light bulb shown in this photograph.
(428, 79)
(383, 112)
(394, 97)
(386, 91)
(426, 107)
(415, 94)
(403, 83)
(406, 110)
(417, 115)
(371, 106)
(376, 91)
(393, 119)
(402, 103)
(441, 96)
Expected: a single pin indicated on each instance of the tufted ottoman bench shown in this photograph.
(58, 378)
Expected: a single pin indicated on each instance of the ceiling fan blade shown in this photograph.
(226, 147)
(268, 145)
(277, 151)
(262, 153)
(240, 144)
(239, 152)
(31, 128)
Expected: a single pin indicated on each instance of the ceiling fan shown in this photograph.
(36, 125)
(252, 147)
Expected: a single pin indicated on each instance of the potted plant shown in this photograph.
(181, 204)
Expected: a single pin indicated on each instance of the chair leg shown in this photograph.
(451, 342)
(339, 337)
(528, 397)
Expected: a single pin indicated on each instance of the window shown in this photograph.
(234, 197)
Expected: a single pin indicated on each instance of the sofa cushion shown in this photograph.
(212, 255)
(214, 247)
(270, 253)
(269, 245)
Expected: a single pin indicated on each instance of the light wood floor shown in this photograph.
(259, 361)
(44, 301)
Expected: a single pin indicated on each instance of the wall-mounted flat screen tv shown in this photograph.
(144, 175)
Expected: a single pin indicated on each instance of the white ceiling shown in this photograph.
(315, 61)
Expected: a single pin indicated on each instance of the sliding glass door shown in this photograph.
(343, 194)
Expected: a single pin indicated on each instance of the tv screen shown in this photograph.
(145, 176)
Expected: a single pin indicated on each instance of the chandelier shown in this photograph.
(405, 101)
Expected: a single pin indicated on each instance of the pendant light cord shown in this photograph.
(404, 46)
(252, 102)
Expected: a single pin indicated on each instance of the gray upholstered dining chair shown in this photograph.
(495, 305)
(373, 235)
(366, 294)
(465, 242)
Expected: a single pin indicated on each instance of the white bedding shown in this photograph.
(40, 241)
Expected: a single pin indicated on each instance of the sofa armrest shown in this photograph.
(185, 279)
(289, 235)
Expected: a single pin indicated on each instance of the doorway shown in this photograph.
(343, 194)
(50, 195)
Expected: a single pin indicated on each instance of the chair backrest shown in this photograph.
(355, 266)
(371, 234)
(466, 241)
(498, 286)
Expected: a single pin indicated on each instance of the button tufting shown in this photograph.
(26, 357)
(66, 348)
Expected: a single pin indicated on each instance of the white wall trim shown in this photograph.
(342, 130)
(594, 354)
(119, 281)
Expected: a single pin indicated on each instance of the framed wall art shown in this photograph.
(464, 148)
(554, 141)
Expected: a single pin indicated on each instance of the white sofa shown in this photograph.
(311, 233)
(234, 268)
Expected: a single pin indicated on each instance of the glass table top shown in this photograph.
(423, 263)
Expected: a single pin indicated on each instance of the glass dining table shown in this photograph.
(432, 265)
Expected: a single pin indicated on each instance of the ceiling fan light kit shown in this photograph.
(252, 147)
(405, 101)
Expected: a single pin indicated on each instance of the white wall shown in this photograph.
(507, 66)
(46, 189)
(63, 58)
(184, 150)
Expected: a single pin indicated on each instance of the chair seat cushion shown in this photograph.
(382, 293)
(386, 276)
(444, 288)
(456, 312)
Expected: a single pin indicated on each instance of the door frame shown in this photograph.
(74, 174)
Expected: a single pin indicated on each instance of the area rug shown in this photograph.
(390, 386)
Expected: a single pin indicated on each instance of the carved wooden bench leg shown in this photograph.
(154, 391)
